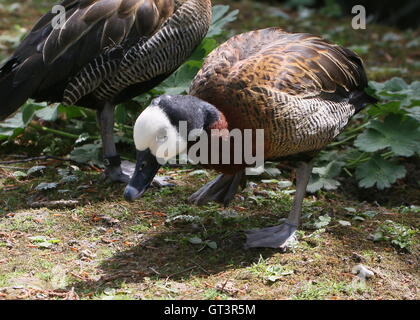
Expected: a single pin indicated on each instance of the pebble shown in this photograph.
(362, 272)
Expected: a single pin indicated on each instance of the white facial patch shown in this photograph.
(154, 131)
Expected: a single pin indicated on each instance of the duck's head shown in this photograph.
(161, 133)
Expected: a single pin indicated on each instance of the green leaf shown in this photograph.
(386, 108)
(211, 244)
(88, 153)
(379, 172)
(46, 186)
(179, 82)
(414, 113)
(395, 85)
(48, 113)
(195, 240)
(121, 114)
(19, 174)
(221, 17)
(72, 112)
(398, 90)
(28, 112)
(400, 134)
(43, 242)
(323, 177)
(36, 169)
(69, 179)
(322, 221)
(369, 214)
(82, 138)
(206, 46)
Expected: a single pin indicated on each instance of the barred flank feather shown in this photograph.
(107, 51)
(164, 52)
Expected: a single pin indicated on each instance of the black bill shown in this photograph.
(147, 167)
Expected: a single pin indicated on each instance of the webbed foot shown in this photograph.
(125, 171)
(161, 182)
(222, 189)
(116, 174)
(278, 237)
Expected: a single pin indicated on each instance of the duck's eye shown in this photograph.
(161, 139)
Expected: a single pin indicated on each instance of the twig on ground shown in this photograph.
(201, 268)
(54, 204)
(35, 159)
(180, 272)
(12, 168)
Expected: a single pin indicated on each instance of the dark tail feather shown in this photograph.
(12, 96)
(361, 100)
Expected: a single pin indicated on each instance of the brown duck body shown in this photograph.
(299, 88)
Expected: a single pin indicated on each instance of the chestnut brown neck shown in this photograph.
(219, 124)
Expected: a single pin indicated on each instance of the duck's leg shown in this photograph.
(117, 170)
(222, 189)
(113, 171)
(283, 235)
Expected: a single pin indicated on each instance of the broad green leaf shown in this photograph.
(88, 153)
(14, 122)
(69, 179)
(386, 108)
(400, 134)
(221, 17)
(46, 186)
(71, 112)
(48, 113)
(398, 90)
(195, 240)
(211, 244)
(180, 81)
(206, 46)
(414, 113)
(19, 174)
(395, 85)
(36, 169)
(28, 112)
(371, 141)
(379, 172)
(43, 242)
(319, 223)
(323, 177)
(121, 114)
(322, 221)
(12, 127)
(82, 138)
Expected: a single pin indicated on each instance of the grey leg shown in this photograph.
(222, 189)
(115, 169)
(281, 236)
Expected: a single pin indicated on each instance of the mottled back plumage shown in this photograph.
(299, 88)
(107, 51)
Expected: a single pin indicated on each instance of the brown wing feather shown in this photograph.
(297, 87)
(91, 27)
(118, 17)
(298, 64)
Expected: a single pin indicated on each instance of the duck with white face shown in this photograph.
(298, 88)
(158, 137)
